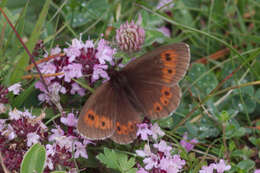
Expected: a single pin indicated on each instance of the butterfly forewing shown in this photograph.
(163, 66)
(154, 77)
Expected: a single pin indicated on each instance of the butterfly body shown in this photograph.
(147, 86)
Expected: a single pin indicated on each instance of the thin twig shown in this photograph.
(29, 67)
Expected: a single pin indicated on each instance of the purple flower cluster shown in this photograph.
(80, 60)
(22, 130)
(220, 167)
(161, 160)
(18, 133)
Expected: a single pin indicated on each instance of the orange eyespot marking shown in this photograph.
(168, 74)
(166, 91)
(124, 129)
(164, 100)
(105, 123)
(130, 126)
(157, 107)
(169, 58)
(89, 118)
(119, 128)
(168, 71)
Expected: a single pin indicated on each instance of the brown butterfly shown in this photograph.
(147, 86)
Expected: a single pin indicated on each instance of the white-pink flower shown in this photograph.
(165, 4)
(151, 161)
(70, 120)
(74, 50)
(99, 72)
(143, 131)
(55, 51)
(9, 132)
(163, 147)
(75, 88)
(57, 134)
(3, 108)
(15, 88)
(207, 169)
(15, 114)
(50, 150)
(32, 138)
(165, 31)
(221, 166)
(80, 150)
(188, 145)
(89, 44)
(105, 53)
(142, 170)
(2, 124)
(66, 141)
(172, 164)
(72, 71)
(156, 131)
(144, 153)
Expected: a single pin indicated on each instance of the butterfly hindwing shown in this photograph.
(126, 121)
(108, 113)
(97, 117)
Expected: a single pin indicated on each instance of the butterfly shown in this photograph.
(147, 86)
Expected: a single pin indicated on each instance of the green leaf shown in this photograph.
(58, 172)
(117, 160)
(108, 158)
(34, 159)
(18, 72)
(255, 141)
(243, 103)
(246, 165)
(82, 14)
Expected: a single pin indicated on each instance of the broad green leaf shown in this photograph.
(118, 161)
(246, 165)
(34, 159)
(255, 141)
(108, 158)
(59, 172)
(243, 103)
